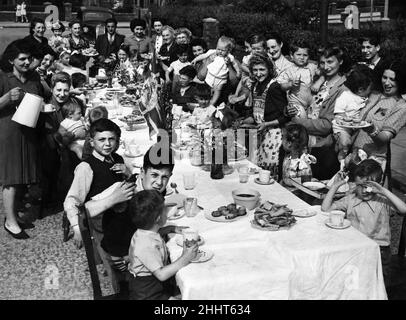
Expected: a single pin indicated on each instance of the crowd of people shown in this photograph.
(294, 101)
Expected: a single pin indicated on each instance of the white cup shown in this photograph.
(190, 235)
(48, 108)
(264, 176)
(337, 218)
(172, 209)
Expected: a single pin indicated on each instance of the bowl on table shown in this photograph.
(246, 197)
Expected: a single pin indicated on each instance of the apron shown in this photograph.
(270, 140)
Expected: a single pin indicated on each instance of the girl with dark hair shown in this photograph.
(124, 70)
(269, 103)
(18, 143)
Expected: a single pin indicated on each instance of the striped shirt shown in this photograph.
(386, 114)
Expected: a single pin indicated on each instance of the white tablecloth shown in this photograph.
(308, 261)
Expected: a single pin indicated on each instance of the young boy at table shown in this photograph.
(185, 90)
(97, 173)
(150, 267)
(368, 207)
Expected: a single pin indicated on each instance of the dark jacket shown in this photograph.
(104, 48)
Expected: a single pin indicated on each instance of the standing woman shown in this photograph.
(269, 103)
(18, 143)
(333, 64)
(76, 40)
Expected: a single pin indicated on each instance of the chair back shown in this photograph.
(86, 231)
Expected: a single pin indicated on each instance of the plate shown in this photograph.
(304, 213)
(132, 155)
(255, 225)
(362, 124)
(256, 180)
(345, 225)
(179, 241)
(203, 256)
(223, 218)
(314, 185)
(178, 215)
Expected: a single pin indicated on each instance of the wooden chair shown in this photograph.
(90, 248)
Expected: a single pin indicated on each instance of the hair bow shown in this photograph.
(217, 111)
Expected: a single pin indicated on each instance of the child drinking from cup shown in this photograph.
(149, 265)
(74, 123)
(218, 68)
(348, 106)
(368, 207)
(297, 79)
(297, 162)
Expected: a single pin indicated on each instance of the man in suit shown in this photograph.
(370, 48)
(110, 42)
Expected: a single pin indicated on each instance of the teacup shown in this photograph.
(190, 236)
(264, 176)
(337, 218)
(172, 209)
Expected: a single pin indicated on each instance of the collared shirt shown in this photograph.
(158, 42)
(372, 65)
(79, 189)
(110, 38)
(370, 217)
(147, 253)
(386, 114)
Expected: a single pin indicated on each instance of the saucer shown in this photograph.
(178, 215)
(271, 181)
(203, 256)
(345, 225)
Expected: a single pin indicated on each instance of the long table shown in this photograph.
(307, 261)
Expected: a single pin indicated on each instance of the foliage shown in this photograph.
(292, 23)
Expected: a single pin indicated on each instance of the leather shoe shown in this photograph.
(20, 235)
(26, 225)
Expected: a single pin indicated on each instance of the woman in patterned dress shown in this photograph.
(269, 103)
(18, 143)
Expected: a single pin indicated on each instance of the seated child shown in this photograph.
(94, 114)
(348, 106)
(185, 90)
(149, 265)
(297, 79)
(74, 124)
(63, 61)
(77, 63)
(182, 52)
(368, 207)
(78, 81)
(297, 162)
(217, 69)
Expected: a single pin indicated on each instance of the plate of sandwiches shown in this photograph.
(352, 123)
